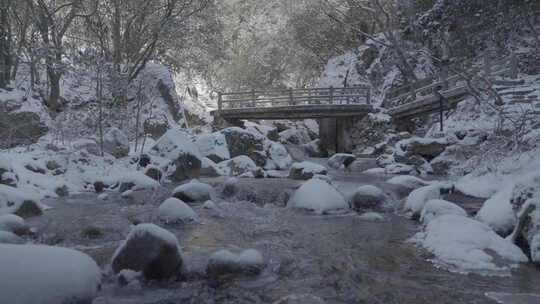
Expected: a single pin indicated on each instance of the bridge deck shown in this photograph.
(296, 112)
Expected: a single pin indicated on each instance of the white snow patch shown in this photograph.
(318, 196)
(436, 207)
(408, 181)
(173, 210)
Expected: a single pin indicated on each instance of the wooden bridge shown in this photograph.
(295, 103)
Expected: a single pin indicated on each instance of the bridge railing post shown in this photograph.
(368, 96)
(514, 66)
(331, 95)
(253, 98)
(291, 97)
(220, 102)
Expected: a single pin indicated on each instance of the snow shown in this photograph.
(464, 245)
(42, 274)
(408, 181)
(369, 190)
(279, 158)
(11, 223)
(195, 190)
(246, 258)
(497, 212)
(213, 144)
(436, 207)
(103, 197)
(142, 230)
(336, 161)
(140, 180)
(173, 143)
(209, 205)
(372, 217)
(309, 167)
(318, 196)
(418, 198)
(7, 237)
(480, 186)
(173, 210)
(11, 198)
(237, 166)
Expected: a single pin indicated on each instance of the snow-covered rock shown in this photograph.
(466, 245)
(12, 223)
(213, 146)
(372, 217)
(317, 196)
(194, 191)
(210, 168)
(300, 299)
(136, 181)
(369, 197)
(242, 142)
(429, 148)
(306, 170)
(151, 250)
(19, 202)
(418, 198)
(339, 160)
(294, 136)
(42, 274)
(497, 212)
(279, 157)
(408, 181)
(176, 146)
(7, 237)
(437, 207)
(224, 262)
(116, 143)
(87, 144)
(210, 205)
(173, 211)
(154, 173)
(7, 175)
(237, 165)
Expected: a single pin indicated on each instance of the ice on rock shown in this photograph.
(437, 207)
(174, 210)
(463, 244)
(372, 217)
(42, 274)
(340, 160)
(20, 202)
(318, 196)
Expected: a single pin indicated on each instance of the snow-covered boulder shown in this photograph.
(295, 136)
(230, 187)
(213, 146)
(313, 148)
(340, 160)
(154, 173)
(418, 198)
(306, 170)
(279, 157)
(372, 217)
(318, 196)
(224, 262)
(237, 165)
(7, 237)
(13, 223)
(466, 245)
(497, 212)
(194, 191)
(210, 168)
(176, 146)
(437, 207)
(267, 131)
(116, 143)
(136, 181)
(408, 182)
(174, 211)
(86, 144)
(300, 299)
(42, 274)
(7, 175)
(19, 202)
(242, 142)
(151, 250)
(369, 197)
(428, 148)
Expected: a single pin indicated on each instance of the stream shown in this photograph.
(339, 258)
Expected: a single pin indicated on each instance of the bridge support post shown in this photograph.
(334, 134)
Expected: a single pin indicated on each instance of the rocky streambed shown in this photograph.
(331, 258)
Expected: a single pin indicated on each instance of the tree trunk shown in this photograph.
(5, 44)
(54, 95)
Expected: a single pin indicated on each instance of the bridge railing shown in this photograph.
(447, 80)
(294, 97)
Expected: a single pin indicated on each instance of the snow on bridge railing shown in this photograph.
(448, 79)
(294, 97)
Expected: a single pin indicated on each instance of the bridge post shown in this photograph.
(514, 66)
(368, 96)
(331, 95)
(253, 97)
(291, 97)
(219, 102)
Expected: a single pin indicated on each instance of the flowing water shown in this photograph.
(339, 258)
